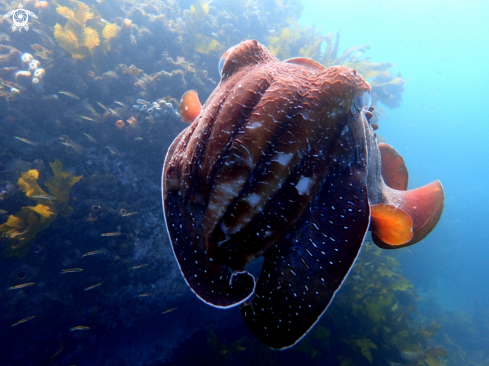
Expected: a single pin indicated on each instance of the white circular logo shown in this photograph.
(20, 17)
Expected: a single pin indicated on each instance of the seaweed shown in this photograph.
(21, 228)
(296, 41)
(201, 43)
(307, 41)
(60, 186)
(77, 37)
(373, 319)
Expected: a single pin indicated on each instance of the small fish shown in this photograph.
(100, 104)
(21, 286)
(89, 118)
(138, 139)
(114, 112)
(93, 253)
(71, 95)
(139, 266)
(19, 233)
(43, 197)
(113, 151)
(72, 270)
(142, 101)
(90, 137)
(410, 251)
(111, 234)
(146, 294)
(130, 214)
(120, 103)
(27, 141)
(80, 327)
(23, 320)
(70, 144)
(3, 212)
(168, 310)
(93, 286)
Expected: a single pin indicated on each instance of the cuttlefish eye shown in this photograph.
(223, 59)
(361, 101)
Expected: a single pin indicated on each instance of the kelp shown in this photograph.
(21, 228)
(199, 11)
(374, 319)
(194, 22)
(81, 35)
(60, 186)
(295, 41)
(465, 334)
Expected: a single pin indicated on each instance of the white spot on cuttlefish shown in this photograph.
(283, 158)
(304, 185)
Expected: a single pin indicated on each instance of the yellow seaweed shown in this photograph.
(11, 226)
(206, 45)
(82, 13)
(65, 11)
(402, 284)
(109, 32)
(28, 183)
(200, 10)
(42, 210)
(60, 186)
(365, 345)
(83, 30)
(296, 40)
(90, 38)
(21, 228)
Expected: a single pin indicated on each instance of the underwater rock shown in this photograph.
(23, 78)
(157, 111)
(26, 59)
(8, 55)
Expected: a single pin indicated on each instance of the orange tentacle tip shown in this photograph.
(391, 225)
(190, 106)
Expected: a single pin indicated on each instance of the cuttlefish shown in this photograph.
(282, 162)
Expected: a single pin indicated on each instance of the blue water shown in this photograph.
(441, 128)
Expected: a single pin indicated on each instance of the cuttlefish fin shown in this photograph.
(190, 106)
(304, 61)
(393, 169)
(391, 225)
(424, 205)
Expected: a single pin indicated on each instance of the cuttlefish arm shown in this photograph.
(403, 217)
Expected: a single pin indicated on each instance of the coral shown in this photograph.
(22, 227)
(77, 37)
